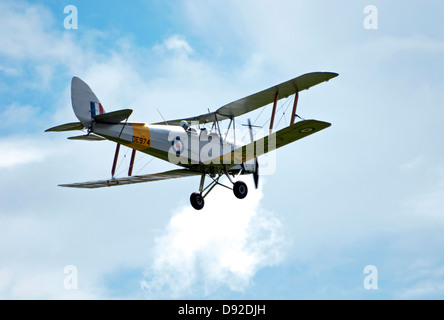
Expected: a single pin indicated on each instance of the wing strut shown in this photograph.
(116, 156)
(228, 130)
(130, 170)
(276, 98)
(295, 105)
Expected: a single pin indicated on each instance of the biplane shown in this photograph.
(187, 143)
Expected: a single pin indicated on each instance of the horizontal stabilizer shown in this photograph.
(88, 137)
(173, 174)
(113, 117)
(67, 127)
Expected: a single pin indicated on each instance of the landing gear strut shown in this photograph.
(240, 190)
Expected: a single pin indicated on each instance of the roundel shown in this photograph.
(177, 145)
(306, 130)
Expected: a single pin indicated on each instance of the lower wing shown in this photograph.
(274, 141)
(173, 174)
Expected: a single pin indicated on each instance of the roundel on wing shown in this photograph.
(306, 130)
(177, 145)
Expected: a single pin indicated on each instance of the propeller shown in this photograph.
(256, 163)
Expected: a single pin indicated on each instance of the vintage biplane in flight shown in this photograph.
(199, 151)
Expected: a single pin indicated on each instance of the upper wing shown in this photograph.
(274, 141)
(261, 99)
(173, 174)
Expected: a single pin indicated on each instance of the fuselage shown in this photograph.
(193, 148)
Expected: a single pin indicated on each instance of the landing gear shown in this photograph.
(197, 201)
(240, 189)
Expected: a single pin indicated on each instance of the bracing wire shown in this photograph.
(283, 114)
(120, 163)
(145, 165)
(286, 104)
(254, 122)
(282, 107)
(138, 159)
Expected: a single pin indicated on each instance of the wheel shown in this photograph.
(240, 190)
(197, 201)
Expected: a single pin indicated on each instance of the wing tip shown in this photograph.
(333, 75)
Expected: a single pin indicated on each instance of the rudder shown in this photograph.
(84, 102)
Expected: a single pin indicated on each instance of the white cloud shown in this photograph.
(32, 44)
(423, 278)
(44, 284)
(423, 290)
(9, 71)
(21, 151)
(430, 206)
(16, 116)
(178, 43)
(11, 158)
(203, 251)
(174, 52)
(5, 279)
(427, 202)
(222, 245)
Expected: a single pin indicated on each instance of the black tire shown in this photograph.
(240, 190)
(197, 201)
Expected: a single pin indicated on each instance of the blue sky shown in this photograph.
(367, 191)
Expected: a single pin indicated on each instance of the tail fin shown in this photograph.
(84, 102)
(88, 109)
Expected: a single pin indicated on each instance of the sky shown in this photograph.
(365, 193)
